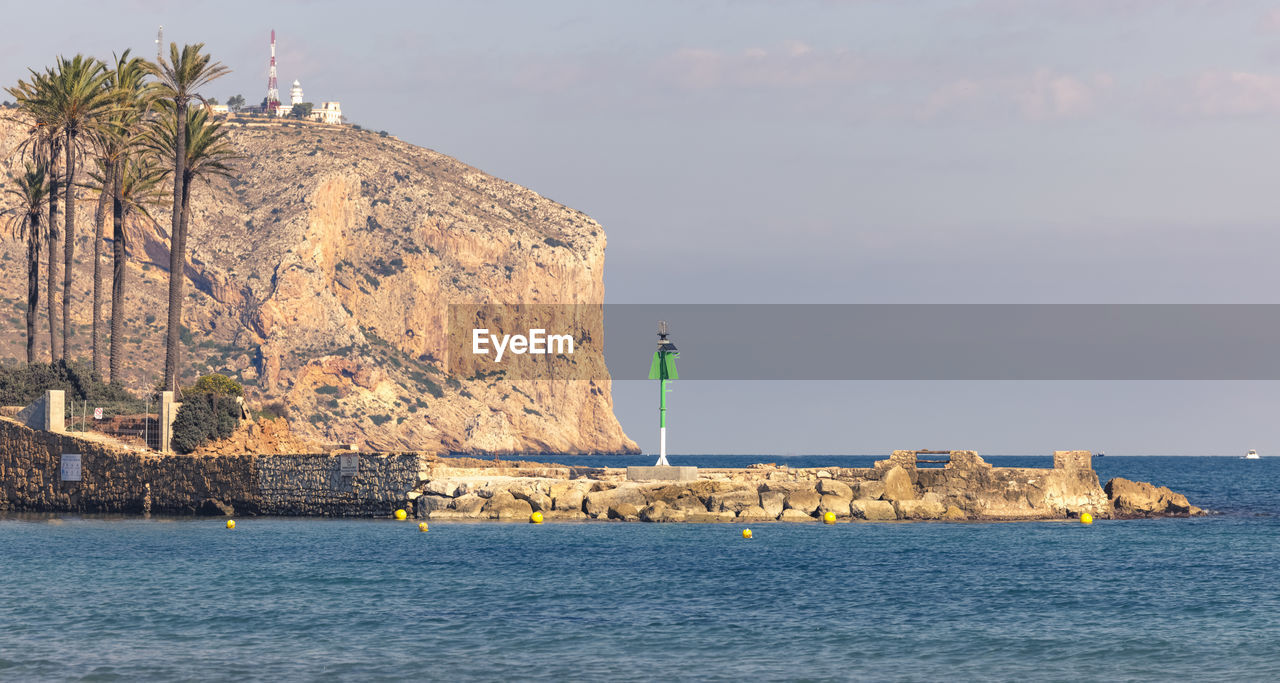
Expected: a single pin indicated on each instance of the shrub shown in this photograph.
(218, 385)
(273, 410)
(204, 417)
(23, 383)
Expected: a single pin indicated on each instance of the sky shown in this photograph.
(829, 151)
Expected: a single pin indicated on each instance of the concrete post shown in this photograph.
(55, 411)
(168, 413)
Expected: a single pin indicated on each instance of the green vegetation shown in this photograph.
(22, 384)
(111, 128)
(209, 411)
(216, 384)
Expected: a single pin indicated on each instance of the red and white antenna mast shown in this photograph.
(273, 93)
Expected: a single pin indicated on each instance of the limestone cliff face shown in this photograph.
(322, 273)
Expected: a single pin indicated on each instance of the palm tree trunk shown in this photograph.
(119, 257)
(55, 339)
(177, 250)
(33, 283)
(99, 219)
(69, 242)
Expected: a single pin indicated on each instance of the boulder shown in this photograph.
(834, 487)
(864, 508)
(869, 489)
(1141, 499)
(428, 504)
(773, 502)
(897, 485)
(688, 504)
(833, 503)
(566, 498)
(954, 514)
(794, 515)
(468, 504)
(657, 511)
(754, 513)
(503, 505)
(536, 499)
(518, 510)
(598, 503)
(920, 509)
(804, 500)
(442, 487)
(733, 500)
(627, 512)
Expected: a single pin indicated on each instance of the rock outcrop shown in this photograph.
(320, 276)
(1141, 499)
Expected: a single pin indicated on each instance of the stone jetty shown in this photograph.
(956, 485)
(908, 485)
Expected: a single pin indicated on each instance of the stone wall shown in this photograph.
(314, 485)
(134, 481)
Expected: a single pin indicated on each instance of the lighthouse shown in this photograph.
(663, 369)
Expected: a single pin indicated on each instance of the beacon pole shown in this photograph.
(663, 369)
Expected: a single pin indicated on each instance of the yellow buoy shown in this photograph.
(829, 518)
(401, 515)
(422, 526)
(535, 518)
(1086, 518)
(231, 523)
(746, 533)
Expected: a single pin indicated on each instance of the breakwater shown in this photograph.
(959, 485)
(908, 485)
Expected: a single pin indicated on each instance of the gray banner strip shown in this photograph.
(930, 342)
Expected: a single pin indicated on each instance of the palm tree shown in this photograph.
(43, 143)
(78, 100)
(178, 81)
(135, 186)
(209, 152)
(119, 134)
(31, 192)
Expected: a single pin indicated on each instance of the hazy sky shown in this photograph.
(827, 151)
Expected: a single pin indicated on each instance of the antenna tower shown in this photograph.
(273, 93)
(159, 42)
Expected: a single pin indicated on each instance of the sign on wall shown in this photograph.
(348, 464)
(70, 466)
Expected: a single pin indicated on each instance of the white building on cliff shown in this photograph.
(327, 112)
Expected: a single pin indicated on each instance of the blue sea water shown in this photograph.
(101, 598)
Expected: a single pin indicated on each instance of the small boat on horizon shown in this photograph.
(1252, 455)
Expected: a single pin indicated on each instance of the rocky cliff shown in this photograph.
(322, 273)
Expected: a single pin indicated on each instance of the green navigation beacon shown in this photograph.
(663, 369)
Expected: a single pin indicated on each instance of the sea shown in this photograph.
(110, 598)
